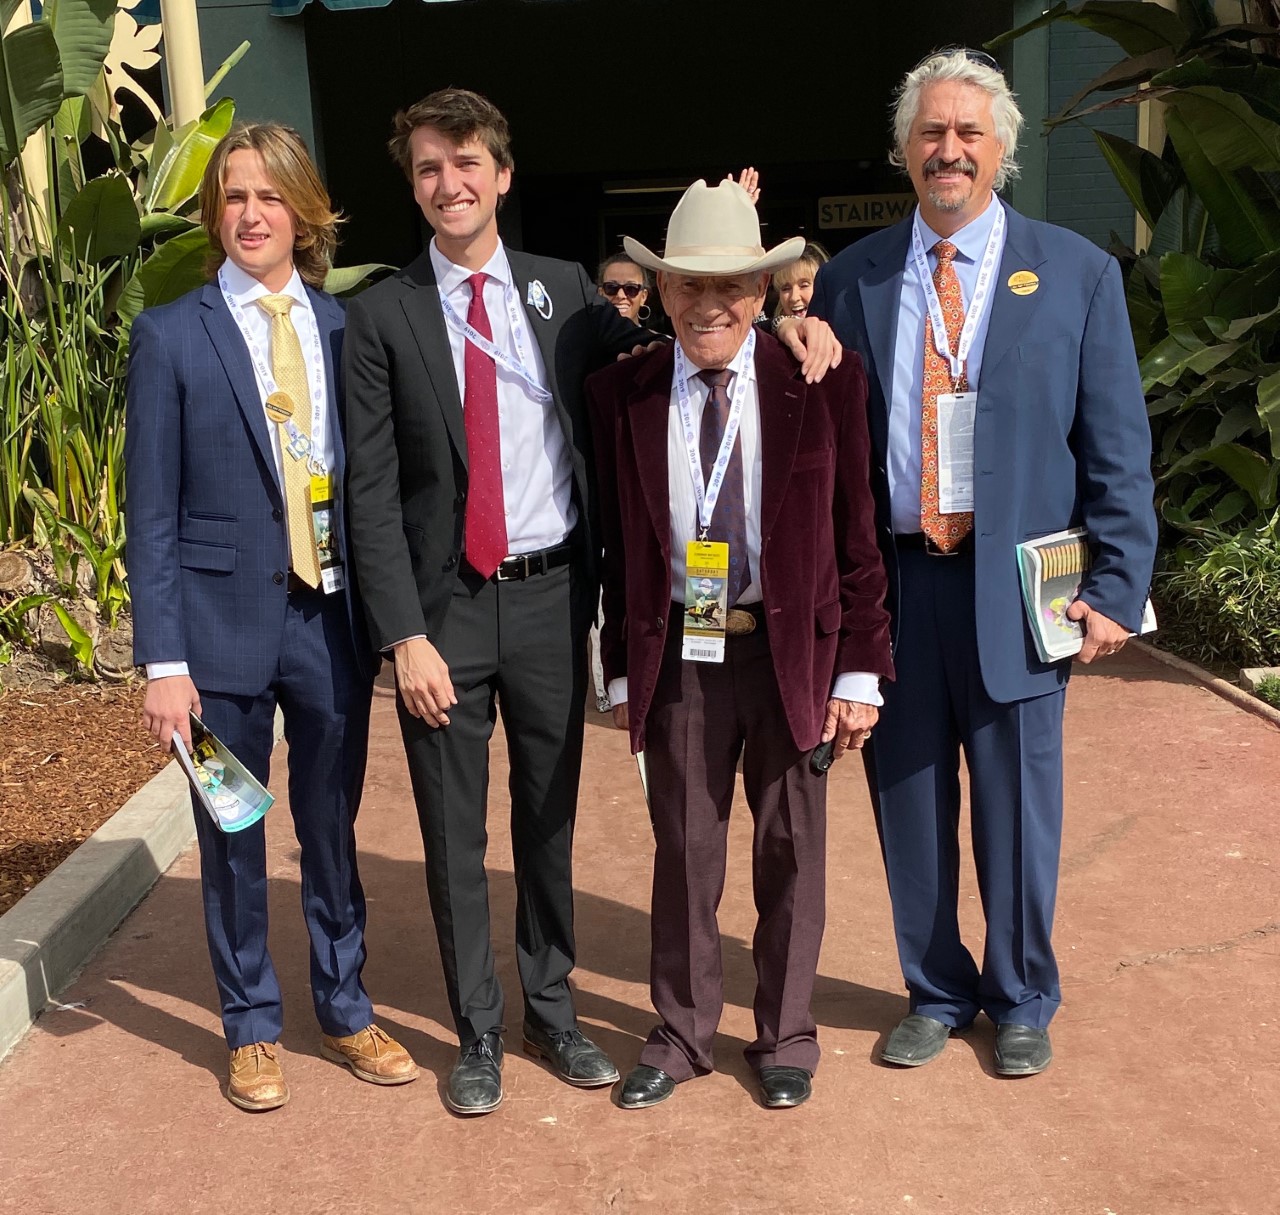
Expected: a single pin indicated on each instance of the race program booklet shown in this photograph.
(230, 793)
(1051, 569)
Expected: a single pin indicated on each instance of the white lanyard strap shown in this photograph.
(486, 346)
(981, 296)
(707, 493)
(314, 358)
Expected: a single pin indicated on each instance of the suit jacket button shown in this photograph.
(277, 515)
(662, 624)
(277, 577)
(448, 565)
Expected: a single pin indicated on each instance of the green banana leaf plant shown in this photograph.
(1204, 296)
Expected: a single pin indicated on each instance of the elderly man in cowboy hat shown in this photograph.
(725, 480)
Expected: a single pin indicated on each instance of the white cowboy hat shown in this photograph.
(715, 230)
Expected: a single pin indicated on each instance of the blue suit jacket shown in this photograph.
(1061, 436)
(207, 551)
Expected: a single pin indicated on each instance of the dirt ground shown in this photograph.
(70, 757)
(1163, 1098)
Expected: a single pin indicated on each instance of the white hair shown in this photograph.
(957, 65)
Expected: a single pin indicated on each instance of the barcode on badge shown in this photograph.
(701, 652)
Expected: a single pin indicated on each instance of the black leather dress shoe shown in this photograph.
(783, 1087)
(915, 1041)
(475, 1084)
(1021, 1050)
(572, 1055)
(645, 1086)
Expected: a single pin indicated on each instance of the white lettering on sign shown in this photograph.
(864, 210)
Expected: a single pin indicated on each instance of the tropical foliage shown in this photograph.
(1204, 296)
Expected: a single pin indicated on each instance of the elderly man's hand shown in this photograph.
(814, 345)
(1102, 636)
(849, 722)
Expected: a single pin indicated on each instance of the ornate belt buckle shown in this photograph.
(739, 623)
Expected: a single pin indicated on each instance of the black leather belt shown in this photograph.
(919, 542)
(517, 569)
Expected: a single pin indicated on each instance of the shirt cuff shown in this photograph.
(165, 670)
(394, 644)
(618, 691)
(859, 686)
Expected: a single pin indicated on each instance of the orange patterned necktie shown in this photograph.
(946, 531)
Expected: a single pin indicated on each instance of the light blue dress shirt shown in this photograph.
(904, 466)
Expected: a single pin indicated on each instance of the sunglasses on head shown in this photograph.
(979, 57)
(630, 290)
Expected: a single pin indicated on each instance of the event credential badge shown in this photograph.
(706, 600)
(324, 517)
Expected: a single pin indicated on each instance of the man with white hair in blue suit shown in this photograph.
(1005, 404)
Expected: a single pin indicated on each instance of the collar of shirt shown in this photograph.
(246, 289)
(970, 241)
(698, 390)
(451, 278)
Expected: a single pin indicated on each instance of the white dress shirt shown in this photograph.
(537, 474)
(905, 404)
(246, 290)
(859, 686)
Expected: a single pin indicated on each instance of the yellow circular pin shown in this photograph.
(279, 407)
(1023, 282)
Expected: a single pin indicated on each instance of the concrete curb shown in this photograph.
(53, 930)
(1228, 691)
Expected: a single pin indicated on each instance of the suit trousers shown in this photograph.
(521, 647)
(325, 701)
(937, 707)
(704, 717)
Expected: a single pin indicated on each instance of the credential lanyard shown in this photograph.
(981, 295)
(262, 365)
(707, 493)
(485, 346)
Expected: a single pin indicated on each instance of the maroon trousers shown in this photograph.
(704, 717)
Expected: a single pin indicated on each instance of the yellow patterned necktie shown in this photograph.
(290, 373)
(946, 531)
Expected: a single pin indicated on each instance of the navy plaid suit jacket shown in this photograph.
(207, 551)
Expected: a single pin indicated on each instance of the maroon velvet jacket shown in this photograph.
(821, 573)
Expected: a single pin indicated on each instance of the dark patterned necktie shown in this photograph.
(729, 523)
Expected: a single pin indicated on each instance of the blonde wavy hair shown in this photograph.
(289, 165)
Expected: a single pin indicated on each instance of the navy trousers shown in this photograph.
(325, 701)
(936, 707)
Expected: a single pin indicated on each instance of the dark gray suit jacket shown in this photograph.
(406, 445)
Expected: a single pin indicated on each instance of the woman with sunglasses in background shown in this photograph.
(626, 286)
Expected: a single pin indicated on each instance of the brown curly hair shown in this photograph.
(289, 165)
(459, 114)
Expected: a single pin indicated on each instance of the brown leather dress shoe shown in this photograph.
(372, 1055)
(256, 1081)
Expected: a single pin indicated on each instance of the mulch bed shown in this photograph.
(70, 757)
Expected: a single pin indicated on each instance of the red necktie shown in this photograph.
(486, 523)
(946, 531)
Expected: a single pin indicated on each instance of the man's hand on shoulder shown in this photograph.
(166, 707)
(813, 344)
(1102, 636)
(638, 350)
(422, 677)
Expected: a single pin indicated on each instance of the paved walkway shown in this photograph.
(1164, 1097)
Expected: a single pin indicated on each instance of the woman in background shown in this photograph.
(794, 283)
